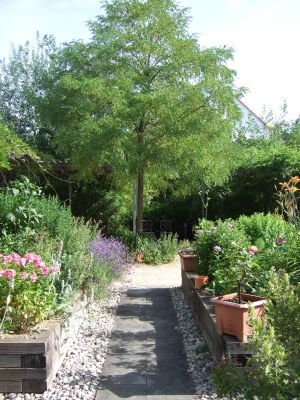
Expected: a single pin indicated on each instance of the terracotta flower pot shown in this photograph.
(232, 317)
(138, 257)
(200, 280)
(189, 260)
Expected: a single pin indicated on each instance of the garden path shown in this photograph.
(146, 358)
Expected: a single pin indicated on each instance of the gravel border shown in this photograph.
(198, 356)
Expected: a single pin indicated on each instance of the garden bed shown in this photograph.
(204, 314)
(29, 362)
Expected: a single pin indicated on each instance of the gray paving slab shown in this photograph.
(146, 358)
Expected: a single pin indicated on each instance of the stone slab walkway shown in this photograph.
(146, 359)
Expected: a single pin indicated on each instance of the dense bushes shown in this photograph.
(30, 224)
(221, 246)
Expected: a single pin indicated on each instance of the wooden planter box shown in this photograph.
(29, 362)
(204, 313)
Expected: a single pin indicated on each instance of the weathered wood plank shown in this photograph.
(10, 386)
(10, 361)
(34, 386)
(33, 361)
(28, 363)
(15, 374)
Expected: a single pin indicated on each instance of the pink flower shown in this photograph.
(10, 274)
(217, 249)
(29, 257)
(253, 250)
(45, 271)
(279, 240)
(24, 275)
(33, 277)
(40, 265)
(7, 260)
(55, 267)
(1, 272)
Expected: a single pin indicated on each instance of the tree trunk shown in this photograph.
(140, 202)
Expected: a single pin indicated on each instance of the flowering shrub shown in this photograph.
(27, 293)
(225, 247)
(110, 253)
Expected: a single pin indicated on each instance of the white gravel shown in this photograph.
(199, 359)
(78, 377)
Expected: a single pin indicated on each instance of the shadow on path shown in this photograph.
(146, 358)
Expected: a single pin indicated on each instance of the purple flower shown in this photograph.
(279, 240)
(217, 249)
(110, 252)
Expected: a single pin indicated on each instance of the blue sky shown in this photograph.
(264, 33)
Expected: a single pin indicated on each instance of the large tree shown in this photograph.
(22, 78)
(142, 97)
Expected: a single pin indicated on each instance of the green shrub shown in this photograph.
(157, 251)
(218, 246)
(273, 371)
(277, 240)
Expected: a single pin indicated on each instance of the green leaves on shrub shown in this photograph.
(234, 235)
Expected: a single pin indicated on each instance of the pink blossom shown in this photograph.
(33, 277)
(217, 249)
(55, 267)
(1, 272)
(253, 250)
(7, 260)
(45, 271)
(40, 265)
(29, 257)
(9, 273)
(24, 275)
(279, 240)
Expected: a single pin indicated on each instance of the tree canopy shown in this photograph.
(11, 147)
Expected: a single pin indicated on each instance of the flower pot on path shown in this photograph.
(200, 280)
(232, 317)
(189, 260)
(138, 257)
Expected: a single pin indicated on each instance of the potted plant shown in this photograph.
(232, 310)
(189, 260)
(200, 280)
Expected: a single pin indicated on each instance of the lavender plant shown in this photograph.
(110, 252)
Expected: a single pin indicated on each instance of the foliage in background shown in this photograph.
(12, 147)
(273, 371)
(157, 251)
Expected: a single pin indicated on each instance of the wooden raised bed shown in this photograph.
(203, 310)
(29, 362)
